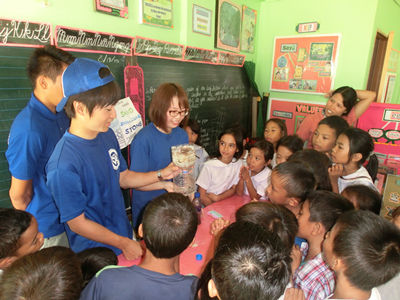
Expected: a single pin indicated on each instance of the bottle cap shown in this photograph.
(199, 257)
(197, 195)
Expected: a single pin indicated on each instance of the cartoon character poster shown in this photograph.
(308, 63)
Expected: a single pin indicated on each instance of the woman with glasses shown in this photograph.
(151, 148)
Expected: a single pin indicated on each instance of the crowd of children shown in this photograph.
(312, 230)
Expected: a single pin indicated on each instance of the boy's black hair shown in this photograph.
(237, 134)
(13, 223)
(102, 96)
(349, 97)
(326, 207)
(202, 284)
(195, 127)
(250, 263)
(169, 225)
(266, 147)
(361, 142)
(293, 142)
(52, 273)
(273, 218)
(369, 247)
(47, 61)
(297, 179)
(338, 124)
(95, 259)
(365, 197)
(319, 163)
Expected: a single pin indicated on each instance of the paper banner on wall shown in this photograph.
(292, 112)
(305, 64)
(127, 123)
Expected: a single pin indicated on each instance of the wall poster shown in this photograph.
(382, 122)
(249, 19)
(389, 87)
(393, 60)
(117, 8)
(292, 112)
(305, 64)
(229, 17)
(157, 13)
(201, 20)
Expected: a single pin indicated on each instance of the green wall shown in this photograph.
(350, 18)
(81, 14)
(356, 20)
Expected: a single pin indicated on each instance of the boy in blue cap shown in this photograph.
(33, 136)
(86, 170)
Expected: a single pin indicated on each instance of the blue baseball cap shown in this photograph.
(81, 76)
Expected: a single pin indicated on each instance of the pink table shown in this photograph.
(204, 241)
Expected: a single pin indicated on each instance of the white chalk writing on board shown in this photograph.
(77, 39)
(23, 32)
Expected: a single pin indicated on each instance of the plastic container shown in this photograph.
(197, 204)
(184, 156)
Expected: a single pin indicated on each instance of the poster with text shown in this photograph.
(292, 112)
(305, 64)
(157, 13)
(382, 122)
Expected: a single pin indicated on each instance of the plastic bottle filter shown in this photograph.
(184, 156)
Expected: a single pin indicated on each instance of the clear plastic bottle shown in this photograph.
(197, 204)
(184, 157)
(185, 183)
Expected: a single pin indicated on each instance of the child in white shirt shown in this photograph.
(255, 177)
(219, 176)
(353, 148)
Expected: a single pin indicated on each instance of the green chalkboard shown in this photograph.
(219, 96)
(15, 91)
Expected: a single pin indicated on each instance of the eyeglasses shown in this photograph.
(182, 113)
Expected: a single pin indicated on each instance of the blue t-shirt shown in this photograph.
(83, 177)
(151, 151)
(139, 284)
(33, 136)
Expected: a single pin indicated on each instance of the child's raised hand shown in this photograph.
(294, 294)
(170, 171)
(254, 200)
(336, 171)
(218, 225)
(329, 94)
(296, 257)
(244, 173)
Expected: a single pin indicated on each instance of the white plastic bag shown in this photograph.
(127, 123)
